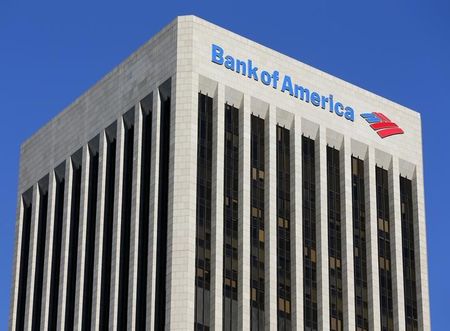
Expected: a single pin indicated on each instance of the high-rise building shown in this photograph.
(211, 183)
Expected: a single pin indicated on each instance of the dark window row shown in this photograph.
(57, 242)
(107, 230)
(231, 197)
(384, 250)
(24, 256)
(309, 235)
(203, 232)
(257, 175)
(40, 255)
(73, 241)
(409, 265)
(284, 307)
(144, 214)
(163, 196)
(90, 236)
(334, 239)
(124, 262)
(74, 231)
(359, 245)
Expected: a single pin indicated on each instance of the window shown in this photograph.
(309, 234)
(73, 240)
(40, 252)
(24, 255)
(359, 244)
(163, 197)
(203, 233)
(56, 249)
(384, 250)
(108, 226)
(283, 229)
(409, 266)
(144, 213)
(334, 239)
(257, 223)
(90, 235)
(231, 190)
(127, 181)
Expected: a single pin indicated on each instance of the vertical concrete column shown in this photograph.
(62, 295)
(16, 265)
(244, 233)
(153, 217)
(134, 219)
(100, 217)
(372, 240)
(296, 224)
(32, 258)
(217, 208)
(181, 227)
(48, 251)
(323, 291)
(117, 227)
(348, 284)
(270, 217)
(420, 249)
(396, 245)
(82, 238)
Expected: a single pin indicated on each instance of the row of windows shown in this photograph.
(257, 224)
(203, 233)
(334, 239)
(91, 233)
(384, 250)
(309, 235)
(409, 266)
(359, 244)
(231, 219)
(309, 232)
(283, 229)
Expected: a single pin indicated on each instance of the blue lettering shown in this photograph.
(301, 93)
(338, 109)
(229, 62)
(315, 99)
(217, 54)
(276, 77)
(265, 77)
(247, 68)
(324, 102)
(252, 71)
(241, 64)
(349, 114)
(287, 85)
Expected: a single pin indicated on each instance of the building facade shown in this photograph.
(211, 183)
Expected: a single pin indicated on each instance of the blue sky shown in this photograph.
(51, 52)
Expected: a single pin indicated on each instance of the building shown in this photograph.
(209, 182)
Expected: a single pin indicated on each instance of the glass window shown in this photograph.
(283, 227)
(334, 238)
(203, 247)
(231, 189)
(309, 235)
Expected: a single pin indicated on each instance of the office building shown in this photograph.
(211, 183)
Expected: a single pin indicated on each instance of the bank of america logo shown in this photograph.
(382, 125)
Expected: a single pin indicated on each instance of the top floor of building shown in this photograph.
(192, 51)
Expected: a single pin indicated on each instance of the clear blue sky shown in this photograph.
(51, 52)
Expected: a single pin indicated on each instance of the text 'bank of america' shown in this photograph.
(211, 183)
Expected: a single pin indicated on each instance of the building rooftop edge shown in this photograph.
(199, 20)
(310, 68)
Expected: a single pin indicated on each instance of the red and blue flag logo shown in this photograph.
(382, 125)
